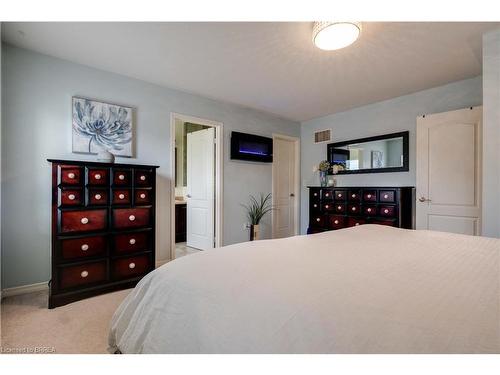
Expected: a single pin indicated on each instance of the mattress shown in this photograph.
(368, 289)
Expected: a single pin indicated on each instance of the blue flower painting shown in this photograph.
(98, 126)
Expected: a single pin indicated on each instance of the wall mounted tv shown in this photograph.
(251, 147)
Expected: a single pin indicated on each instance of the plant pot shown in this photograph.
(254, 232)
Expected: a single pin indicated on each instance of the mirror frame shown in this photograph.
(406, 157)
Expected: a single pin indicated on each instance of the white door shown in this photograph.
(200, 188)
(284, 194)
(449, 171)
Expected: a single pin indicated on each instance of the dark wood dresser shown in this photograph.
(103, 228)
(333, 208)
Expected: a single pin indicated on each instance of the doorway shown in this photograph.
(449, 171)
(286, 186)
(196, 194)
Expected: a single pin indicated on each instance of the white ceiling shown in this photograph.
(273, 67)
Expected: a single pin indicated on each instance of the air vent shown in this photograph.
(323, 136)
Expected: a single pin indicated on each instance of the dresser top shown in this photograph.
(101, 164)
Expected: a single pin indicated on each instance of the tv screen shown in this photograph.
(251, 147)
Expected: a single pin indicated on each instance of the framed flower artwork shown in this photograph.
(101, 126)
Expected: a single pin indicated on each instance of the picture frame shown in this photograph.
(99, 125)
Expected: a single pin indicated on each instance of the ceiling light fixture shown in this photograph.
(330, 36)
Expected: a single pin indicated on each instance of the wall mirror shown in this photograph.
(383, 153)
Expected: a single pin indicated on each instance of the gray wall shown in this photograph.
(37, 125)
(491, 134)
(389, 116)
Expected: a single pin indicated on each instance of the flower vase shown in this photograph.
(254, 232)
(322, 179)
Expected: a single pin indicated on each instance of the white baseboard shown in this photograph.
(24, 289)
(160, 263)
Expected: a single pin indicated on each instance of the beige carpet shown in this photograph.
(80, 327)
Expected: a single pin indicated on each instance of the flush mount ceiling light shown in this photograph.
(330, 36)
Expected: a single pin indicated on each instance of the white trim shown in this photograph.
(25, 289)
(219, 181)
(296, 140)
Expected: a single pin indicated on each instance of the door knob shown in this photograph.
(423, 199)
(292, 195)
(188, 196)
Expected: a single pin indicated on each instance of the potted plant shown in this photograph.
(323, 168)
(256, 211)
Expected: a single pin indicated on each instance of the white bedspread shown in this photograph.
(370, 289)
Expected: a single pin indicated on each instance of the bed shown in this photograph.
(368, 289)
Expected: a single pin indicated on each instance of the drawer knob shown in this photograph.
(131, 241)
(121, 177)
(336, 221)
(121, 196)
(98, 196)
(369, 196)
(131, 217)
(85, 247)
(339, 195)
(71, 175)
(97, 176)
(369, 210)
(339, 207)
(84, 220)
(315, 205)
(327, 207)
(131, 265)
(327, 195)
(71, 197)
(84, 274)
(315, 194)
(143, 178)
(356, 224)
(142, 195)
(353, 195)
(318, 219)
(386, 196)
(386, 211)
(353, 208)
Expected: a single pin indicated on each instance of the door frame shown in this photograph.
(219, 207)
(296, 141)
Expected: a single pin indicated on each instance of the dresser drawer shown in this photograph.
(131, 242)
(328, 207)
(337, 222)
(317, 221)
(370, 196)
(354, 195)
(388, 211)
(387, 196)
(339, 207)
(122, 177)
(142, 196)
(326, 194)
(340, 195)
(83, 247)
(131, 217)
(370, 210)
(98, 197)
(142, 177)
(97, 176)
(353, 209)
(83, 221)
(88, 273)
(71, 197)
(314, 195)
(121, 196)
(70, 175)
(130, 267)
(354, 221)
